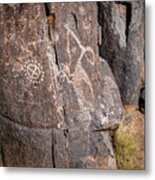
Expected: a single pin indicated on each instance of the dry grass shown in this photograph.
(129, 141)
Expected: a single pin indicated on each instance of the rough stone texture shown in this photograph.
(57, 97)
(123, 45)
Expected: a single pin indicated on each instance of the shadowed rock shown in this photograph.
(123, 45)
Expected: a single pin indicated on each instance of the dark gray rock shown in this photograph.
(122, 45)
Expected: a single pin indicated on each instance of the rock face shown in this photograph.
(123, 45)
(57, 96)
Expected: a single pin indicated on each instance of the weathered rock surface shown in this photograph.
(123, 45)
(57, 96)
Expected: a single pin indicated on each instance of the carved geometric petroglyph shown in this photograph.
(83, 48)
(34, 72)
(79, 74)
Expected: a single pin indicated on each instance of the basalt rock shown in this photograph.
(57, 96)
(122, 25)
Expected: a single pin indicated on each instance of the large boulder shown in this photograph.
(122, 25)
(57, 97)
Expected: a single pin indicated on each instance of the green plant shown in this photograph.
(127, 150)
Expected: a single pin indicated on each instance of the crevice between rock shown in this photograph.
(128, 17)
(51, 28)
(47, 11)
(56, 57)
(2, 157)
(52, 149)
(75, 19)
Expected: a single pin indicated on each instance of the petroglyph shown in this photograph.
(34, 72)
(83, 48)
(79, 74)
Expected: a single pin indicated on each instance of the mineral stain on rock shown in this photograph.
(58, 98)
